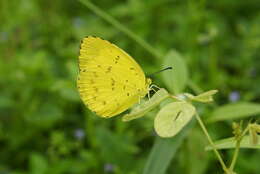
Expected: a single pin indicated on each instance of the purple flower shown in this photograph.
(3, 36)
(234, 96)
(108, 167)
(79, 134)
(253, 72)
(78, 22)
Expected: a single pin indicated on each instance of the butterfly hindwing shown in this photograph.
(110, 81)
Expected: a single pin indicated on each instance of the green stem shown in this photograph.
(121, 27)
(211, 143)
(176, 98)
(234, 159)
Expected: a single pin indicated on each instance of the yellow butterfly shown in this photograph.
(109, 81)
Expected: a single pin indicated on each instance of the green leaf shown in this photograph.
(229, 143)
(172, 118)
(38, 164)
(66, 89)
(117, 146)
(141, 109)
(177, 78)
(163, 152)
(43, 114)
(204, 97)
(235, 111)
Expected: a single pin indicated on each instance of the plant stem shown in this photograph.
(121, 27)
(234, 159)
(211, 143)
(175, 97)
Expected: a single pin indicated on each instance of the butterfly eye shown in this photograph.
(148, 81)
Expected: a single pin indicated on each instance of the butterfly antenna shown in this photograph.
(150, 75)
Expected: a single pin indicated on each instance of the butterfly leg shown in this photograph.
(154, 86)
(148, 94)
(139, 102)
(152, 89)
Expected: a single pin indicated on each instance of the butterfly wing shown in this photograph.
(110, 81)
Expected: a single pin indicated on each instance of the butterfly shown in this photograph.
(110, 81)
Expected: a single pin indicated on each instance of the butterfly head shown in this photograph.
(148, 82)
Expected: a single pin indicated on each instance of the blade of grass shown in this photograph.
(163, 151)
(121, 27)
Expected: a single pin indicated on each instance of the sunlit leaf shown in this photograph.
(204, 97)
(172, 118)
(235, 111)
(141, 109)
(175, 79)
(229, 143)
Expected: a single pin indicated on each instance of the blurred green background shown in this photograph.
(45, 128)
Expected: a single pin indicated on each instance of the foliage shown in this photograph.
(45, 128)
